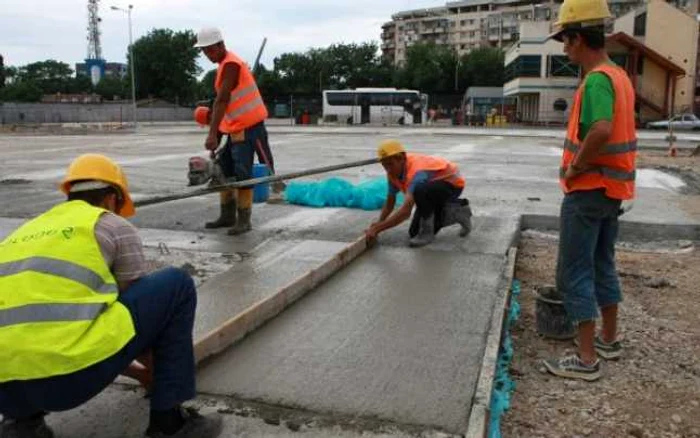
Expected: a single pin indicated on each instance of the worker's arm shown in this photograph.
(595, 124)
(223, 97)
(388, 207)
(394, 219)
(597, 137)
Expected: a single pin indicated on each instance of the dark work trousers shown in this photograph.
(237, 157)
(162, 306)
(431, 198)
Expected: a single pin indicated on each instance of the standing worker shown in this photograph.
(432, 184)
(77, 307)
(239, 113)
(597, 173)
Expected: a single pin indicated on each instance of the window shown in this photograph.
(560, 66)
(463, 22)
(640, 24)
(528, 66)
(453, 24)
(472, 34)
(341, 99)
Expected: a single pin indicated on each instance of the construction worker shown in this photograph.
(77, 306)
(239, 113)
(597, 174)
(432, 184)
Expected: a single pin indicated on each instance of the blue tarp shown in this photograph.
(337, 192)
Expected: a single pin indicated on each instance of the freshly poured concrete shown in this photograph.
(398, 335)
(246, 283)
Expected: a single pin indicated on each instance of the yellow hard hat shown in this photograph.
(99, 168)
(389, 148)
(581, 14)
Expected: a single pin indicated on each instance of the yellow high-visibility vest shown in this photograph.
(58, 300)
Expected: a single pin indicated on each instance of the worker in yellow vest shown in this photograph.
(239, 113)
(78, 306)
(597, 173)
(432, 184)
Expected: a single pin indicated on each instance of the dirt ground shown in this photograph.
(652, 392)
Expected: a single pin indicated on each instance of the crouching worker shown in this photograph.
(77, 307)
(432, 184)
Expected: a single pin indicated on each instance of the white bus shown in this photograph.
(385, 106)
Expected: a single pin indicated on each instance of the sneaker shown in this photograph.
(571, 367)
(32, 428)
(196, 426)
(611, 351)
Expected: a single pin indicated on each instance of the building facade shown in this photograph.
(540, 76)
(670, 30)
(463, 25)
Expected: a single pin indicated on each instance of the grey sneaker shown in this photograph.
(571, 367)
(606, 351)
(196, 426)
(32, 428)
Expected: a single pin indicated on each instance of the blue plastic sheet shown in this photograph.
(503, 385)
(337, 192)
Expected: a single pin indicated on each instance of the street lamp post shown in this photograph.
(131, 59)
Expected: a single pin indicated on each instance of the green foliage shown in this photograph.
(166, 66)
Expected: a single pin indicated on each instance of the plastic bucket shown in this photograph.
(551, 318)
(261, 192)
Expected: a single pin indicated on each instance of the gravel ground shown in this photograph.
(653, 391)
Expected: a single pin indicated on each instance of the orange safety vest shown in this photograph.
(614, 169)
(246, 107)
(444, 171)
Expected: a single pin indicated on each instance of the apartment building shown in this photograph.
(463, 25)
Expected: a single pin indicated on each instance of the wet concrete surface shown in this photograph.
(398, 335)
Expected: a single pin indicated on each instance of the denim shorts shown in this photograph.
(586, 273)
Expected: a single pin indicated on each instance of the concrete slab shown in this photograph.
(398, 335)
(121, 411)
(257, 278)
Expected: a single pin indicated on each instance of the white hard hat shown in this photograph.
(208, 36)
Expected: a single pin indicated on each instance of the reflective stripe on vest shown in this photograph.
(50, 313)
(613, 169)
(59, 311)
(246, 107)
(59, 268)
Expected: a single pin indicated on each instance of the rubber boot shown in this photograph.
(245, 208)
(227, 218)
(426, 234)
(459, 213)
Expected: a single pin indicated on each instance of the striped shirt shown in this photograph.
(121, 248)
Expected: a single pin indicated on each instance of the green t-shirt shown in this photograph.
(597, 103)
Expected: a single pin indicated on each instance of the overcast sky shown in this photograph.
(35, 30)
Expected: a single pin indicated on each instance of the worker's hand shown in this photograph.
(572, 172)
(372, 232)
(212, 142)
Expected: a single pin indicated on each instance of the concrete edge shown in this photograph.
(480, 412)
(630, 231)
(240, 325)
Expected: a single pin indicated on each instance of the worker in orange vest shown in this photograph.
(432, 184)
(597, 173)
(239, 113)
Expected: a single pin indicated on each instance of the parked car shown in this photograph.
(680, 122)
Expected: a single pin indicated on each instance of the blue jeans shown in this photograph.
(162, 306)
(586, 274)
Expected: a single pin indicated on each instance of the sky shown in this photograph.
(35, 30)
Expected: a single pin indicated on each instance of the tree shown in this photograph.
(21, 91)
(50, 76)
(429, 67)
(205, 87)
(112, 87)
(166, 65)
(484, 67)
